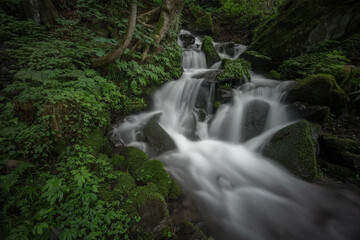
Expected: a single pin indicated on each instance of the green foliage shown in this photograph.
(235, 69)
(258, 55)
(68, 202)
(309, 64)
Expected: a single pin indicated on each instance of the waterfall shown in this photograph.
(241, 194)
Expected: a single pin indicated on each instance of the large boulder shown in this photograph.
(210, 52)
(320, 89)
(302, 23)
(295, 149)
(157, 137)
(255, 116)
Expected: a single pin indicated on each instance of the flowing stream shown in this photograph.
(241, 194)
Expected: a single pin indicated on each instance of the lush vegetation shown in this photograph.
(55, 111)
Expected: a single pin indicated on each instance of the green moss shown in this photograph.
(134, 158)
(118, 188)
(153, 172)
(205, 23)
(150, 205)
(118, 162)
(175, 191)
(235, 69)
(217, 104)
(341, 144)
(294, 148)
(274, 75)
(321, 89)
(97, 142)
(210, 52)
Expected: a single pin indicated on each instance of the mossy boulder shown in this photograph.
(294, 148)
(204, 23)
(118, 162)
(149, 204)
(153, 171)
(346, 76)
(342, 173)
(188, 231)
(320, 89)
(134, 158)
(97, 141)
(235, 72)
(341, 151)
(302, 23)
(210, 51)
(117, 188)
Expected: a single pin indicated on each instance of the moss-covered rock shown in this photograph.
(175, 191)
(346, 76)
(150, 205)
(97, 142)
(118, 188)
(341, 151)
(320, 89)
(134, 158)
(204, 23)
(118, 162)
(301, 23)
(210, 52)
(153, 172)
(188, 231)
(234, 71)
(294, 148)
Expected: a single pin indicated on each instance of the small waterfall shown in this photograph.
(241, 194)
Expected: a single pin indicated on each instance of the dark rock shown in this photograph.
(224, 95)
(188, 231)
(315, 114)
(11, 165)
(340, 151)
(255, 114)
(342, 173)
(302, 23)
(187, 40)
(226, 48)
(157, 137)
(320, 89)
(294, 148)
(209, 76)
(210, 52)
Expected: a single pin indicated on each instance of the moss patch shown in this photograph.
(235, 69)
(210, 52)
(153, 172)
(204, 23)
(118, 162)
(294, 148)
(134, 158)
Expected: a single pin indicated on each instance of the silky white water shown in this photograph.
(240, 194)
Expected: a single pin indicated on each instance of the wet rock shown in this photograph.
(294, 148)
(157, 137)
(226, 48)
(340, 151)
(224, 95)
(187, 40)
(209, 76)
(315, 114)
(255, 114)
(320, 89)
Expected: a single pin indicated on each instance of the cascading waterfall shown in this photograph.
(241, 194)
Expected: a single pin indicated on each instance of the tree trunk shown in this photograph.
(169, 20)
(117, 53)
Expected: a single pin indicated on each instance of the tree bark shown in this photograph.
(117, 53)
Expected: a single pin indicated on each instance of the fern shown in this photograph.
(10, 180)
